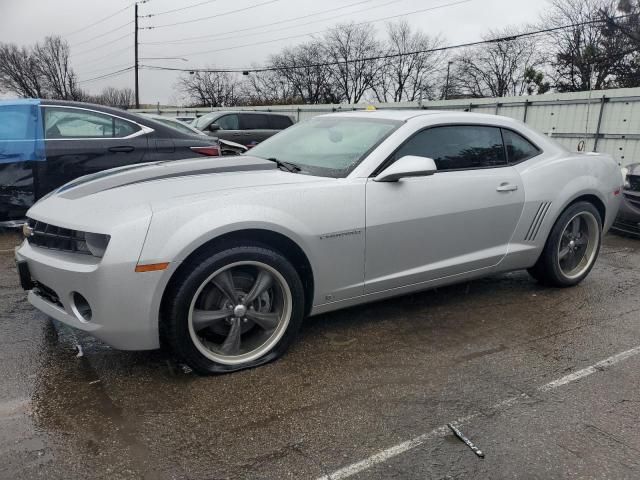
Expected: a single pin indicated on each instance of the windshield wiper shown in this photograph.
(287, 166)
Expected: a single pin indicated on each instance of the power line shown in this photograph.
(385, 56)
(107, 75)
(422, 10)
(102, 34)
(109, 55)
(98, 70)
(177, 9)
(99, 21)
(97, 47)
(213, 16)
(220, 35)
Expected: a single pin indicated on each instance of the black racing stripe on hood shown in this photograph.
(204, 171)
(149, 172)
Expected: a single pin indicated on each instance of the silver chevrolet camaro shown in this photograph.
(221, 259)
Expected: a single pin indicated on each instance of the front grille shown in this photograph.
(47, 294)
(633, 200)
(56, 238)
(634, 183)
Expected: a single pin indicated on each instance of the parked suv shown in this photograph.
(247, 128)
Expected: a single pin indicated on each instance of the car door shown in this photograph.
(80, 141)
(228, 128)
(255, 128)
(460, 219)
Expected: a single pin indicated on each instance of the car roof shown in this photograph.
(250, 112)
(438, 115)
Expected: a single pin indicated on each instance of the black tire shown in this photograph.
(175, 329)
(547, 269)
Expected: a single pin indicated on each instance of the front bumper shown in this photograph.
(124, 304)
(628, 219)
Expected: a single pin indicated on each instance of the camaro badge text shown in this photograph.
(340, 234)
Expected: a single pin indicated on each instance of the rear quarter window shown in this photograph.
(280, 122)
(518, 148)
(254, 121)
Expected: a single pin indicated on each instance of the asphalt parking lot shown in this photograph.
(544, 381)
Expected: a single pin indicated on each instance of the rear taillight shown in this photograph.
(209, 151)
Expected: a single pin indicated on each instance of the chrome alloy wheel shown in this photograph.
(239, 313)
(578, 245)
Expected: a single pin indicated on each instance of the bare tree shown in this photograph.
(351, 48)
(19, 72)
(215, 89)
(624, 29)
(42, 71)
(115, 97)
(499, 69)
(304, 68)
(584, 56)
(412, 71)
(54, 64)
(268, 88)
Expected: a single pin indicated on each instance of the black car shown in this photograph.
(628, 219)
(46, 143)
(247, 128)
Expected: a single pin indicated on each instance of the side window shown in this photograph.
(124, 128)
(457, 147)
(280, 122)
(519, 148)
(79, 123)
(228, 122)
(254, 121)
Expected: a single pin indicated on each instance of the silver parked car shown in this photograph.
(222, 260)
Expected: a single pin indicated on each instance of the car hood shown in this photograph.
(145, 173)
(103, 198)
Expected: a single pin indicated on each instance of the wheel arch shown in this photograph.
(258, 237)
(590, 198)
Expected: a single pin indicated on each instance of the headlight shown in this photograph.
(45, 235)
(627, 182)
(96, 243)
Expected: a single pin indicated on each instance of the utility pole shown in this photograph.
(446, 86)
(137, 87)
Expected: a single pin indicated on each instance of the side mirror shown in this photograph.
(407, 166)
(214, 127)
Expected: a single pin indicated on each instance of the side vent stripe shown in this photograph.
(542, 217)
(533, 223)
(538, 219)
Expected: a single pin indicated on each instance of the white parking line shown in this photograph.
(572, 377)
(396, 450)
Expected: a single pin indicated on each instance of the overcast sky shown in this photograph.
(28, 21)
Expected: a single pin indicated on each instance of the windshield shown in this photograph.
(203, 121)
(326, 146)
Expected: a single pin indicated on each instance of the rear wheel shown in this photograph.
(236, 309)
(572, 247)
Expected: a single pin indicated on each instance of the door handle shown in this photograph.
(122, 149)
(506, 187)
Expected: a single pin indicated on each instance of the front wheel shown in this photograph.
(572, 247)
(234, 309)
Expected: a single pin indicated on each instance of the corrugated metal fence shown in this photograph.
(605, 120)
